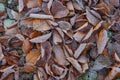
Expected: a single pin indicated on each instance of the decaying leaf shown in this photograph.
(33, 3)
(101, 62)
(59, 55)
(7, 71)
(61, 39)
(33, 56)
(41, 39)
(102, 41)
(112, 74)
(58, 9)
(64, 25)
(79, 50)
(29, 68)
(21, 5)
(91, 17)
(41, 74)
(75, 64)
(41, 16)
(1, 53)
(41, 25)
(27, 46)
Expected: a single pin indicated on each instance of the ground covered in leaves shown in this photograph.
(59, 39)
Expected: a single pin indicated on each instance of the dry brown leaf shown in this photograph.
(7, 71)
(116, 57)
(29, 68)
(21, 5)
(41, 16)
(72, 20)
(78, 36)
(115, 70)
(27, 46)
(64, 25)
(85, 67)
(104, 6)
(70, 52)
(41, 74)
(41, 25)
(76, 6)
(33, 3)
(12, 58)
(49, 4)
(20, 37)
(59, 55)
(88, 34)
(98, 25)
(57, 69)
(83, 26)
(35, 77)
(41, 39)
(102, 41)
(70, 8)
(46, 50)
(33, 56)
(35, 34)
(80, 50)
(1, 52)
(58, 9)
(91, 18)
(56, 38)
(75, 64)
(50, 72)
(52, 23)
(83, 59)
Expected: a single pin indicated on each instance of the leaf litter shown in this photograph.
(59, 39)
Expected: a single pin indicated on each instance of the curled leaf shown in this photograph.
(41, 39)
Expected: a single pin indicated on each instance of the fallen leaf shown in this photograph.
(78, 36)
(79, 50)
(41, 25)
(29, 68)
(7, 71)
(112, 74)
(102, 41)
(104, 6)
(80, 2)
(21, 5)
(33, 3)
(91, 18)
(70, 8)
(59, 55)
(56, 38)
(41, 16)
(27, 46)
(101, 62)
(49, 71)
(12, 58)
(58, 9)
(41, 74)
(64, 25)
(1, 52)
(41, 39)
(33, 56)
(75, 64)
(90, 75)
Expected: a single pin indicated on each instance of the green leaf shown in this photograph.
(8, 22)
(2, 7)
